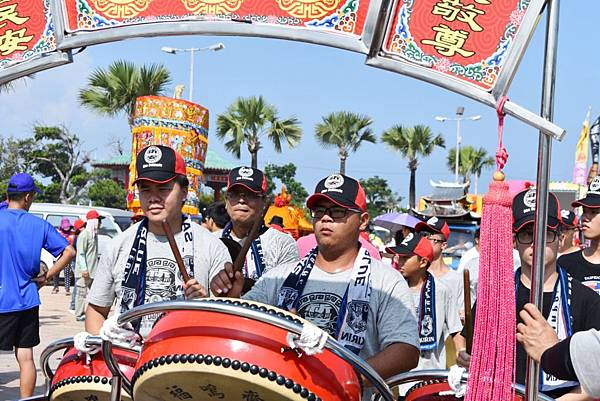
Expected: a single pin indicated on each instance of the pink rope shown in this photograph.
(501, 153)
(492, 368)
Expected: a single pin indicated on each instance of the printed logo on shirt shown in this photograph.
(593, 284)
(160, 280)
(356, 316)
(321, 309)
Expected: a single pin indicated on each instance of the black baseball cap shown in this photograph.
(592, 198)
(159, 164)
(434, 224)
(340, 189)
(413, 245)
(569, 219)
(249, 178)
(523, 209)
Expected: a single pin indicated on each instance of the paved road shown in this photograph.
(55, 323)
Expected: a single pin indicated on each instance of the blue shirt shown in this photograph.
(22, 237)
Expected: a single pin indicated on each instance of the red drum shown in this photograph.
(204, 355)
(77, 380)
(429, 390)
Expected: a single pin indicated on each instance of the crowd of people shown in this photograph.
(396, 313)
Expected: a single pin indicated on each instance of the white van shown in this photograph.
(115, 221)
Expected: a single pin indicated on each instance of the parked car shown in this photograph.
(462, 238)
(114, 223)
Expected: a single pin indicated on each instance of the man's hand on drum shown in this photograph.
(535, 333)
(227, 282)
(193, 289)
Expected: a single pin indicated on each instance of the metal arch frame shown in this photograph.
(41, 63)
(213, 306)
(201, 26)
(379, 58)
(443, 374)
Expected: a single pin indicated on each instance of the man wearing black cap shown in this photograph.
(22, 238)
(139, 266)
(245, 202)
(568, 306)
(584, 265)
(569, 232)
(339, 287)
(437, 231)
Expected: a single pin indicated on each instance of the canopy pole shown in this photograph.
(542, 188)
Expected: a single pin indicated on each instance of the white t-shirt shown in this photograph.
(163, 280)
(446, 317)
(453, 281)
(278, 249)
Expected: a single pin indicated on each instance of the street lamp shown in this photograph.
(459, 117)
(192, 50)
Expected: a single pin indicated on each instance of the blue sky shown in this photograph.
(310, 81)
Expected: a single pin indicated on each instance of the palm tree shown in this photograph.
(115, 90)
(249, 120)
(471, 161)
(412, 142)
(346, 131)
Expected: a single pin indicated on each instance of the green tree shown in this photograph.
(471, 161)
(57, 154)
(15, 156)
(345, 131)
(115, 90)
(287, 175)
(380, 197)
(249, 120)
(412, 143)
(107, 193)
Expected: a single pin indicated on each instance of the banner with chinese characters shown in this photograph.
(26, 30)
(178, 124)
(342, 16)
(464, 39)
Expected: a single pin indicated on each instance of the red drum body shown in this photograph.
(212, 355)
(430, 391)
(77, 380)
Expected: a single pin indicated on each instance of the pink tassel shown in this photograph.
(492, 370)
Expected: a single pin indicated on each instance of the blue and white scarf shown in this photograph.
(133, 285)
(351, 323)
(426, 312)
(560, 319)
(255, 264)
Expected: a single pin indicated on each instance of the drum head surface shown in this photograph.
(84, 392)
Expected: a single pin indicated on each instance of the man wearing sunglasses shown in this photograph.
(339, 287)
(568, 305)
(245, 202)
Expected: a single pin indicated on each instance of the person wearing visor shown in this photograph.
(339, 286)
(584, 265)
(434, 306)
(245, 203)
(568, 306)
(139, 266)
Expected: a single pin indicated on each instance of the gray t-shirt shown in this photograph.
(454, 283)
(585, 355)
(391, 316)
(447, 320)
(163, 280)
(278, 249)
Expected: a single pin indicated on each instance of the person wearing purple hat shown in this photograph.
(23, 238)
(64, 229)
